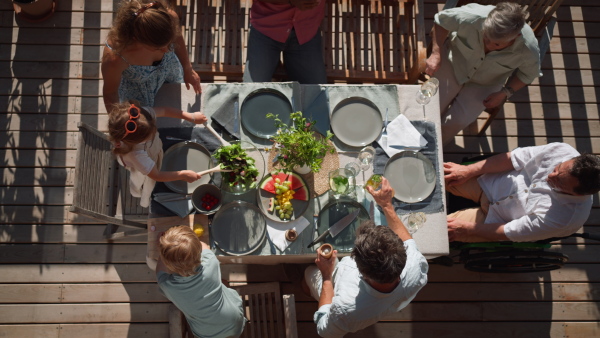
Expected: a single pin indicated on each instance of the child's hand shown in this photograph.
(189, 176)
(199, 117)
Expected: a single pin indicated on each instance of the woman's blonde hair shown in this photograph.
(148, 23)
(504, 22)
(118, 117)
(180, 250)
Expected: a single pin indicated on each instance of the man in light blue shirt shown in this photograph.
(188, 275)
(380, 278)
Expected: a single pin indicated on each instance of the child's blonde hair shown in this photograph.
(180, 250)
(148, 23)
(118, 117)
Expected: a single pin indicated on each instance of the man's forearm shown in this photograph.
(438, 35)
(495, 164)
(326, 292)
(491, 232)
(395, 223)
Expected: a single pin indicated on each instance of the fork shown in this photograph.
(385, 123)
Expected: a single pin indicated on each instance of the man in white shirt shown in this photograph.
(380, 278)
(528, 194)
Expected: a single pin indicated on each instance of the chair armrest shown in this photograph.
(546, 36)
(450, 4)
(289, 316)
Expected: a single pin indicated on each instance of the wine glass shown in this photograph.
(427, 90)
(366, 157)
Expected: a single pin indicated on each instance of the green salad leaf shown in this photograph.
(234, 158)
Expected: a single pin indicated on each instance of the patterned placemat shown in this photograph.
(318, 183)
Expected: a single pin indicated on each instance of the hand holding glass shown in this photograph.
(428, 89)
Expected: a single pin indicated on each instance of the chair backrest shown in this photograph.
(101, 186)
(379, 41)
(539, 11)
(265, 313)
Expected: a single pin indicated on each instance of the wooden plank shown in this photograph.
(84, 313)
(61, 233)
(39, 140)
(549, 111)
(47, 177)
(30, 293)
(105, 253)
(112, 293)
(30, 330)
(38, 158)
(37, 214)
(115, 330)
(44, 103)
(37, 195)
(76, 273)
(40, 69)
(570, 61)
(51, 122)
(43, 253)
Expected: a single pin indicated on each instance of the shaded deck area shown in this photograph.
(60, 278)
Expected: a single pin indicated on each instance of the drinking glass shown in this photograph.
(354, 167)
(428, 89)
(414, 221)
(366, 157)
(341, 182)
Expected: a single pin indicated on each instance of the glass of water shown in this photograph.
(414, 221)
(341, 182)
(353, 167)
(366, 157)
(428, 89)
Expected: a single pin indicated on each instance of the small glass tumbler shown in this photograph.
(415, 221)
(374, 182)
(341, 182)
(354, 167)
(366, 157)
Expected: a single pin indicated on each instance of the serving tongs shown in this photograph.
(214, 132)
(214, 170)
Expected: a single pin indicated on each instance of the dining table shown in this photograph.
(390, 100)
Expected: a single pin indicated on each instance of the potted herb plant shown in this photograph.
(298, 146)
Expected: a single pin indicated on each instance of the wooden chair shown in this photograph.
(541, 20)
(269, 315)
(375, 41)
(101, 186)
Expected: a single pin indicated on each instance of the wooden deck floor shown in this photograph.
(59, 278)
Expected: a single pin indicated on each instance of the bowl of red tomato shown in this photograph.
(206, 199)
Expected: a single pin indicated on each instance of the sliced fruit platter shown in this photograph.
(283, 196)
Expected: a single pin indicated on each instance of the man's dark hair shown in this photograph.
(586, 168)
(379, 253)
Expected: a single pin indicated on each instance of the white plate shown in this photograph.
(412, 176)
(186, 155)
(356, 121)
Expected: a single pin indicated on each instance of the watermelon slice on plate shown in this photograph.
(268, 185)
(296, 181)
(302, 194)
(281, 175)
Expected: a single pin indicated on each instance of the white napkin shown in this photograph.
(277, 231)
(403, 134)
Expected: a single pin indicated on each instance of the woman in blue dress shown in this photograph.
(144, 49)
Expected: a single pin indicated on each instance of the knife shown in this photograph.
(372, 211)
(335, 229)
(236, 116)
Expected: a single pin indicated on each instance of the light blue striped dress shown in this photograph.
(143, 82)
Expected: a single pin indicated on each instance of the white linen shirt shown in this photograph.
(523, 200)
(356, 304)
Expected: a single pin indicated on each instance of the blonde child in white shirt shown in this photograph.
(133, 132)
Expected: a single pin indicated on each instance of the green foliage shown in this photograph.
(234, 158)
(298, 144)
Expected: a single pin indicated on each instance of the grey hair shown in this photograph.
(504, 22)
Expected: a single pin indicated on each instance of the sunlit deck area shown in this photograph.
(59, 277)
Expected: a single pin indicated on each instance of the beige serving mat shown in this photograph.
(157, 226)
(318, 183)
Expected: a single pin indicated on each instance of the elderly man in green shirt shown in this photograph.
(481, 55)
